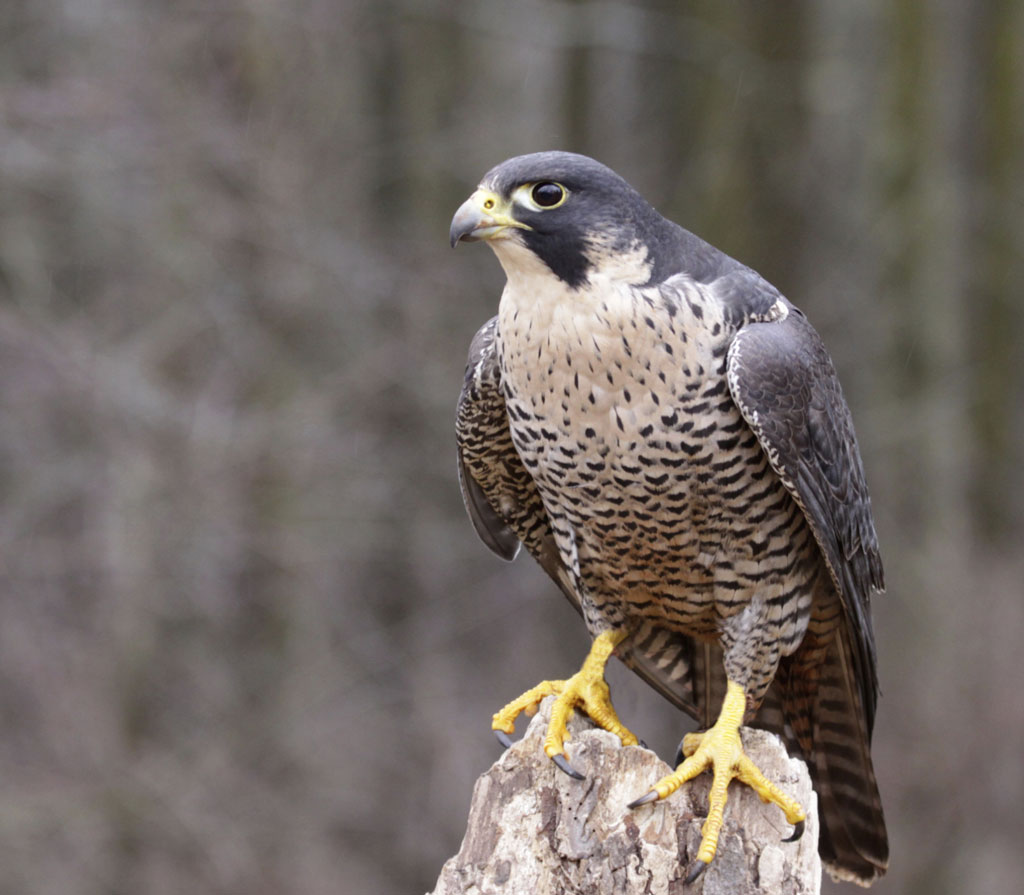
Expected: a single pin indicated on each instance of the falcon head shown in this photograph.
(574, 215)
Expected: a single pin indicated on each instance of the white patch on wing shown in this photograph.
(778, 311)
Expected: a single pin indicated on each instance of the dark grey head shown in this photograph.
(575, 214)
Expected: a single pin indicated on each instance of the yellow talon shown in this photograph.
(690, 743)
(721, 750)
(586, 689)
(505, 719)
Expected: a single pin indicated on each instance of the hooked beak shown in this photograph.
(484, 215)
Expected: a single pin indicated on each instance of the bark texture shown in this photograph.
(532, 829)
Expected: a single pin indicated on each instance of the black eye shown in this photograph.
(547, 194)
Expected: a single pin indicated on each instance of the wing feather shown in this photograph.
(786, 387)
(501, 497)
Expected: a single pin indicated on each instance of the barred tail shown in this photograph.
(686, 671)
(830, 728)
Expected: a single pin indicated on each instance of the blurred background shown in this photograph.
(248, 640)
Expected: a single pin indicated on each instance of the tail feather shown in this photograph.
(854, 844)
(828, 727)
(677, 666)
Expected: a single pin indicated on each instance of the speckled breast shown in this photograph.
(661, 498)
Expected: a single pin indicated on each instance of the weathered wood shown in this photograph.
(533, 829)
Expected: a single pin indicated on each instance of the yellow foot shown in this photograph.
(586, 689)
(721, 750)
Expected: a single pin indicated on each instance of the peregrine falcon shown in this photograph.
(665, 433)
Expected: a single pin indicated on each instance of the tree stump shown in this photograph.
(533, 829)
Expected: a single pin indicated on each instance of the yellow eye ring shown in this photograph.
(488, 204)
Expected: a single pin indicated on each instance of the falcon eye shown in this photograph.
(548, 194)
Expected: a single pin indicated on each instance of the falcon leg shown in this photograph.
(587, 690)
(721, 750)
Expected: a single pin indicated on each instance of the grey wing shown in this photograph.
(506, 510)
(786, 387)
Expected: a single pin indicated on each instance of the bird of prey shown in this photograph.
(665, 433)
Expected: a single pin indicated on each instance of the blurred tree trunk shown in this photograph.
(998, 332)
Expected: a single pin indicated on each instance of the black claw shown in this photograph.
(798, 831)
(563, 763)
(698, 868)
(652, 796)
(680, 758)
(642, 744)
(504, 739)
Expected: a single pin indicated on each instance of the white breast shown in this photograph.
(607, 357)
